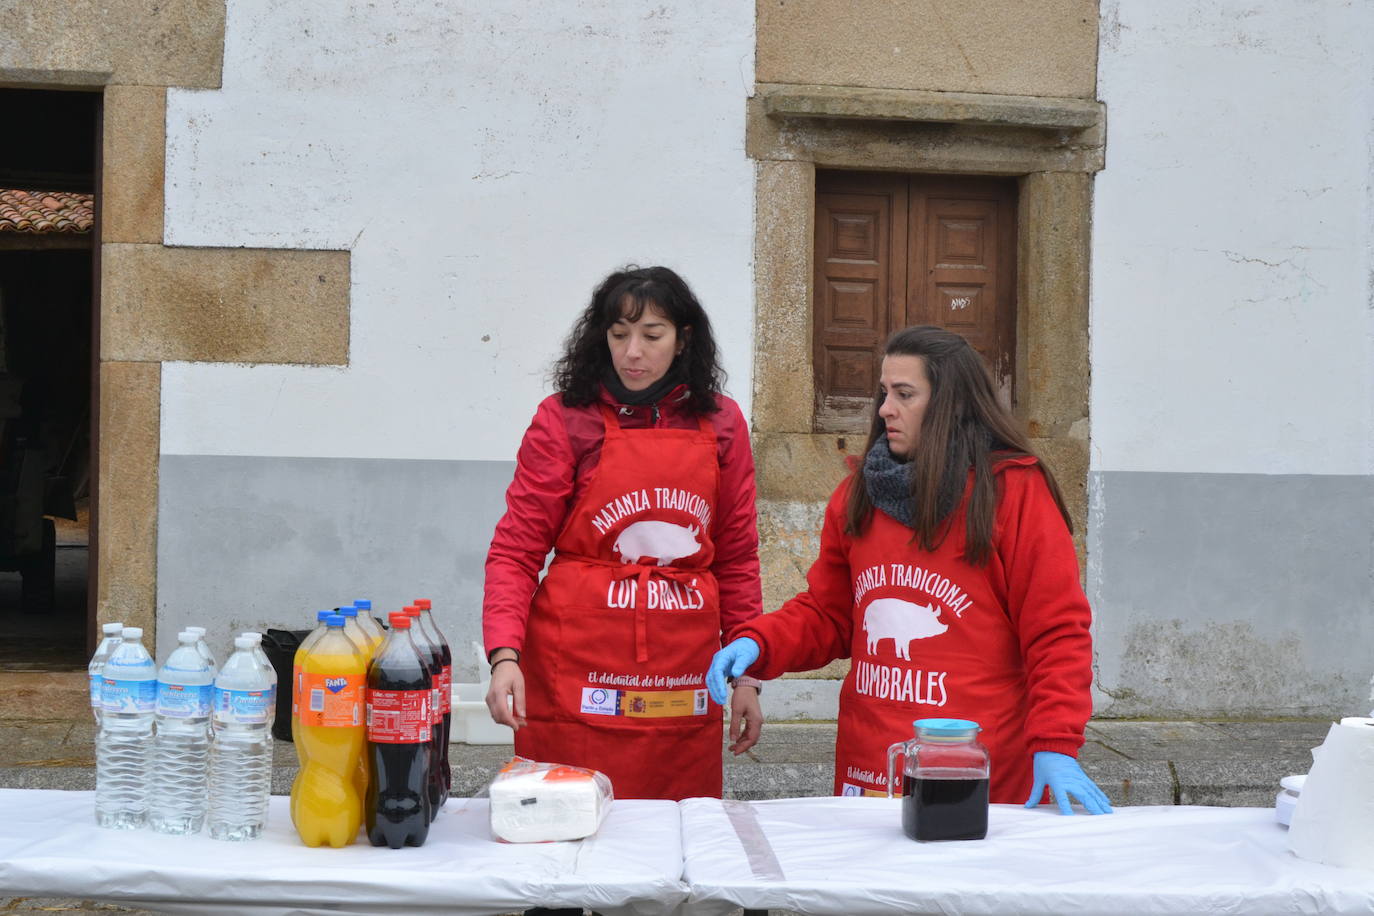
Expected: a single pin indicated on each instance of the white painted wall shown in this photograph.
(487, 162)
(1233, 279)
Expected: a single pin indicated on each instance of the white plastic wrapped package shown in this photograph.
(1334, 818)
(535, 802)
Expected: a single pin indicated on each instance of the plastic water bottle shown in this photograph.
(113, 635)
(241, 754)
(128, 698)
(204, 648)
(262, 658)
(181, 750)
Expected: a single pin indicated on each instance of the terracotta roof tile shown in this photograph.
(46, 211)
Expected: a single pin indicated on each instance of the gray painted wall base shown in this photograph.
(792, 699)
(1213, 594)
(246, 543)
(1232, 594)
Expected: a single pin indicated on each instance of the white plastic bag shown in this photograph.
(535, 802)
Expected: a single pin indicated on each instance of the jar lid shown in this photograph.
(947, 728)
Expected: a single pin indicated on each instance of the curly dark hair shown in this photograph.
(625, 294)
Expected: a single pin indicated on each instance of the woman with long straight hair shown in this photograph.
(947, 573)
(638, 475)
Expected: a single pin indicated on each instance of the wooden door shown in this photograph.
(896, 250)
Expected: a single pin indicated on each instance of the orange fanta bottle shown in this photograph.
(326, 806)
(297, 688)
(367, 646)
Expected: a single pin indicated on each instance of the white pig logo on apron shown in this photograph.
(664, 541)
(900, 621)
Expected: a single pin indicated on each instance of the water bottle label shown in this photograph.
(332, 701)
(446, 690)
(180, 701)
(95, 690)
(244, 707)
(127, 696)
(398, 716)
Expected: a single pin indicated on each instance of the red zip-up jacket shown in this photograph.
(560, 449)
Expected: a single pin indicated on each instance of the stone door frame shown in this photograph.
(159, 302)
(1053, 146)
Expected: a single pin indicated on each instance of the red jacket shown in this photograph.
(1006, 644)
(560, 450)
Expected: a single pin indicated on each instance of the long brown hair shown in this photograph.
(963, 426)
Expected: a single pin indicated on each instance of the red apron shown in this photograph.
(931, 639)
(623, 626)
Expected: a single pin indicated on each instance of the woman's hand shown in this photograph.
(1065, 779)
(506, 696)
(732, 661)
(746, 719)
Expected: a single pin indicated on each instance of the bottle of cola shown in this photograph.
(400, 738)
(433, 658)
(436, 636)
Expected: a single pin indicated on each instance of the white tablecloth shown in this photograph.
(51, 847)
(849, 856)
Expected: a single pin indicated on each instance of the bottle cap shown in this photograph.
(243, 642)
(186, 637)
(321, 615)
(199, 631)
(399, 619)
(423, 604)
(133, 632)
(334, 620)
(363, 603)
(110, 629)
(410, 610)
(349, 611)
(253, 635)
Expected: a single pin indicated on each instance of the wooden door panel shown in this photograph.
(962, 262)
(897, 250)
(859, 285)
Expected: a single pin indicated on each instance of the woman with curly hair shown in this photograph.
(638, 475)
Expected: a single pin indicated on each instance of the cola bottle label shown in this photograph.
(446, 690)
(398, 716)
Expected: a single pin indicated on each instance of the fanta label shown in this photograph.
(332, 701)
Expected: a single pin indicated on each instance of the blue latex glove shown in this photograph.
(1064, 777)
(732, 661)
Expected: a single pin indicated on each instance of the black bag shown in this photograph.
(281, 646)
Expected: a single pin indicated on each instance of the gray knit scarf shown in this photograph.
(888, 481)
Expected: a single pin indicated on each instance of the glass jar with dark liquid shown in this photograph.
(944, 781)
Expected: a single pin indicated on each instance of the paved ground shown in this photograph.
(47, 741)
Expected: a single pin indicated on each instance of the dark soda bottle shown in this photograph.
(400, 738)
(436, 635)
(433, 658)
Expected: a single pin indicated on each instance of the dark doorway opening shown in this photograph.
(48, 257)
